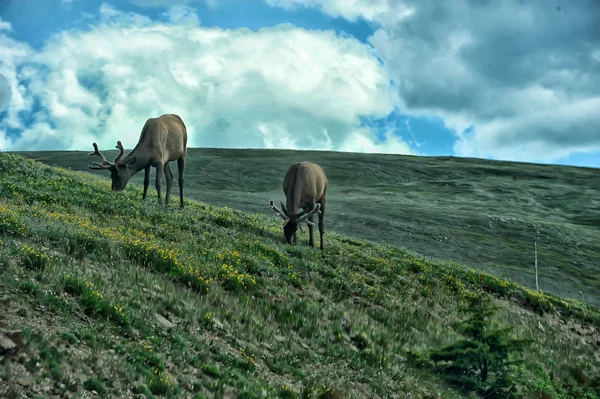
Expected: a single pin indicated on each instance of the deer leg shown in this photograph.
(308, 208)
(311, 240)
(146, 181)
(181, 167)
(323, 201)
(169, 178)
(158, 181)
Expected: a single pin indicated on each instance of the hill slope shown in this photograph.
(484, 214)
(120, 297)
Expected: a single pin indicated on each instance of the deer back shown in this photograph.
(304, 183)
(163, 139)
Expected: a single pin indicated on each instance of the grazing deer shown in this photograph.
(305, 186)
(163, 139)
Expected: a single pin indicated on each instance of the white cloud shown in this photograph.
(279, 87)
(182, 14)
(518, 137)
(276, 135)
(370, 10)
(14, 97)
(523, 75)
(212, 4)
(5, 25)
(5, 93)
(111, 16)
(362, 140)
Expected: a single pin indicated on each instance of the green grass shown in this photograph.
(483, 214)
(87, 274)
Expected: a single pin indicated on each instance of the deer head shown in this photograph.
(119, 171)
(292, 222)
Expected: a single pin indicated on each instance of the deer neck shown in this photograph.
(294, 198)
(141, 159)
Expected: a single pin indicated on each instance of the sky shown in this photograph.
(515, 80)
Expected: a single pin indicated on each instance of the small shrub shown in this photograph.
(322, 392)
(287, 392)
(484, 360)
(212, 371)
(70, 337)
(93, 300)
(34, 259)
(233, 280)
(52, 358)
(94, 384)
(143, 359)
(143, 389)
(161, 384)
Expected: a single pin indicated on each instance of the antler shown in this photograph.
(120, 147)
(286, 219)
(278, 211)
(286, 213)
(304, 218)
(105, 164)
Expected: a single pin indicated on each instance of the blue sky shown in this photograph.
(35, 21)
(341, 75)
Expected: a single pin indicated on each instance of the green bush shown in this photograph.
(485, 360)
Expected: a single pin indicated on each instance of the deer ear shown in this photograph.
(130, 162)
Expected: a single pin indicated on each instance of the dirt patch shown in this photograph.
(47, 363)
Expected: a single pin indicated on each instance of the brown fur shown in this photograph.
(305, 186)
(162, 140)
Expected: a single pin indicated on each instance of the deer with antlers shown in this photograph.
(305, 186)
(163, 140)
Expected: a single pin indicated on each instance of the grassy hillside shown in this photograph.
(484, 214)
(124, 298)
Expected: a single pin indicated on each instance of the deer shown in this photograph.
(162, 140)
(305, 186)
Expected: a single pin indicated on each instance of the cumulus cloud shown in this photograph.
(5, 25)
(522, 77)
(362, 140)
(5, 93)
(279, 87)
(371, 10)
(182, 14)
(14, 97)
(164, 3)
